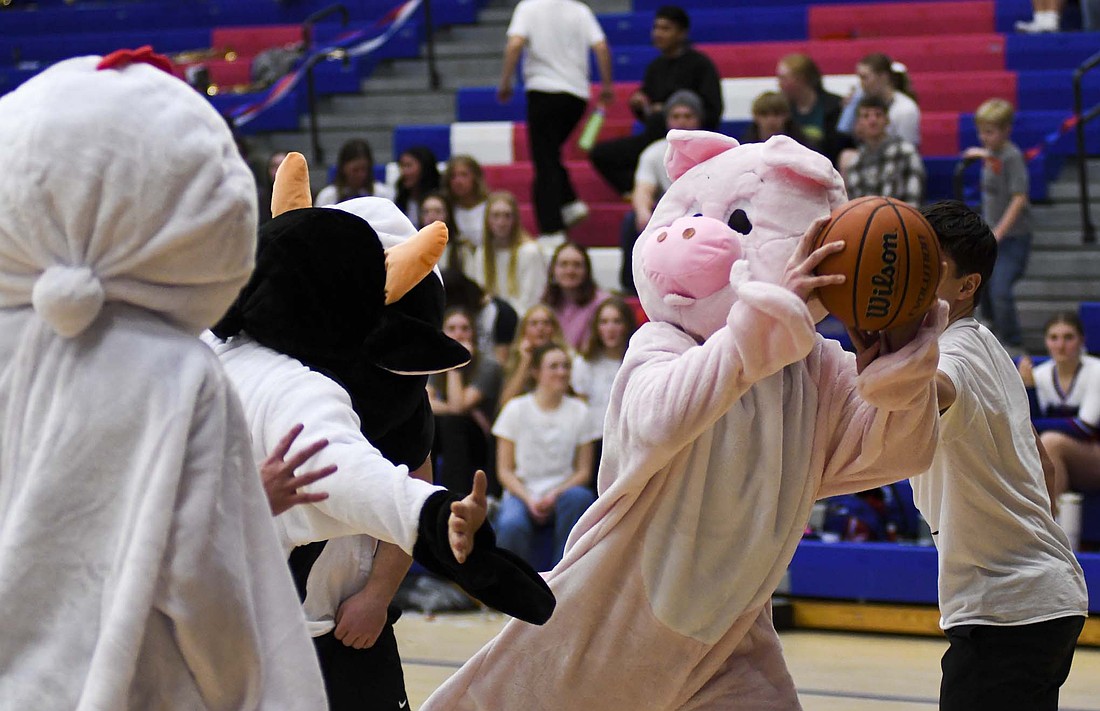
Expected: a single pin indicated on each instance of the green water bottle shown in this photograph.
(591, 130)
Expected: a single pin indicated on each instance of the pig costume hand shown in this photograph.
(729, 417)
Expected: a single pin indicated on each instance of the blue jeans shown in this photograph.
(515, 529)
(998, 302)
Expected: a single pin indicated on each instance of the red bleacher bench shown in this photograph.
(945, 53)
(892, 19)
(517, 178)
(962, 91)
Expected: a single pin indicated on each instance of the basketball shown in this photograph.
(891, 261)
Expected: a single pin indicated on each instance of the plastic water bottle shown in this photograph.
(591, 130)
(1069, 517)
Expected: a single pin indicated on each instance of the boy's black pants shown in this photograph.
(363, 679)
(1016, 668)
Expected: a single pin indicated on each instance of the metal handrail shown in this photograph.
(429, 39)
(311, 95)
(1088, 229)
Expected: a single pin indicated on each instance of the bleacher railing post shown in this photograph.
(429, 39)
(311, 95)
(1088, 230)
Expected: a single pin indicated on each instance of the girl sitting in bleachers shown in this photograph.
(508, 262)
(594, 368)
(464, 184)
(544, 458)
(464, 401)
(1067, 386)
(537, 328)
(572, 292)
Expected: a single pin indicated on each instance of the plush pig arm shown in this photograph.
(881, 425)
(678, 388)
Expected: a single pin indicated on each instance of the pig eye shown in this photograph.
(698, 214)
(739, 222)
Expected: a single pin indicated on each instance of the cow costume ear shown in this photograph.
(291, 188)
(687, 149)
(412, 260)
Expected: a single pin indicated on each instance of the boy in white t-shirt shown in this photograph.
(544, 458)
(1011, 593)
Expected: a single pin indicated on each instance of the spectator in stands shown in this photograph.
(538, 327)
(684, 109)
(494, 319)
(508, 263)
(679, 66)
(771, 116)
(264, 187)
(418, 176)
(889, 80)
(554, 37)
(1005, 207)
(1046, 16)
(572, 293)
(544, 458)
(354, 176)
(464, 184)
(1067, 386)
(596, 364)
(435, 206)
(815, 110)
(885, 165)
(464, 402)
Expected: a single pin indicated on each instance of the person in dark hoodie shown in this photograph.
(338, 328)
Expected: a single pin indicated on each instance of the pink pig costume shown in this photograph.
(729, 418)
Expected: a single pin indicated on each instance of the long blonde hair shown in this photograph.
(516, 238)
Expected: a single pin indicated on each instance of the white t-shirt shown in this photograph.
(1083, 396)
(329, 194)
(593, 380)
(1002, 558)
(530, 275)
(904, 118)
(559, 34)
(470, 222)
(651, 167)
(545, 440)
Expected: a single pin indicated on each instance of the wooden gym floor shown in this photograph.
(834, 671)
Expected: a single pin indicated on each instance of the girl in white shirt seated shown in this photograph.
(544, 459)
(464, 184)
(354, 176)
(1068, 385)
(508, 263)
(595, 367)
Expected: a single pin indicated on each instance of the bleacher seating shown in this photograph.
(222, 35)
(951, 74)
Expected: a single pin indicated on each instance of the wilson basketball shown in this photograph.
(891, 261)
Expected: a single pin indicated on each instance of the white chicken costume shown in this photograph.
(729, 418)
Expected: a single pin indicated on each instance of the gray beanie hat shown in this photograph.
(685, 97)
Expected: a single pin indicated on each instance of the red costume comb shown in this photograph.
(121, 58)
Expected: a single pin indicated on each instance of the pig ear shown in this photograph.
(785, 152)
(687, 149)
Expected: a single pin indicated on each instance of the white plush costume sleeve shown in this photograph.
(139, 565)
(367, 494)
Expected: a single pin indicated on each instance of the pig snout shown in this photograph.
(691, 257)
